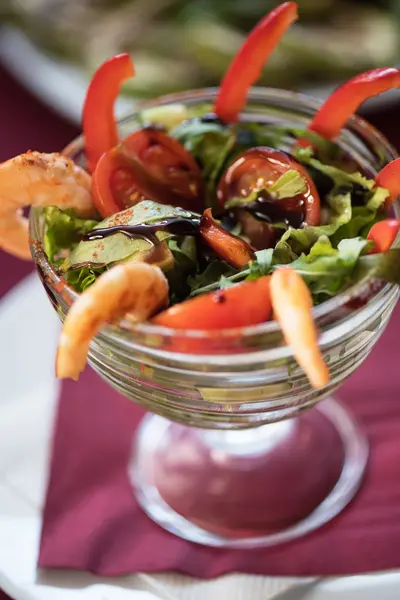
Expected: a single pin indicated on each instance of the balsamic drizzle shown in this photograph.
(175, 225)
(267, 208)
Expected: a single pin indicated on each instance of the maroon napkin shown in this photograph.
(92, 520)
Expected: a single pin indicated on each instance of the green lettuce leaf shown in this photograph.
(288, 185)
(384, 266)
(118, 247)
(301, 240)
(63, 230)
(345, 220)
(185, 264)
(80, 279)
(262, 265)
(327, 270)
(209, 279)
(169, 116)
(215, 146)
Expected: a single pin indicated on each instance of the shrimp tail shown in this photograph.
(292, 304)
(38, 179)
(135, 290)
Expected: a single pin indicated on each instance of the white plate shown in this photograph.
(27, 406)
(63, 86)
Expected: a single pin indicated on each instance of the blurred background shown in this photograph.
(53, 46)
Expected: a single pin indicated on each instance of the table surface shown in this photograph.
(26, 123)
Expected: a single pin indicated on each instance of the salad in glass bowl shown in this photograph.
(200, 222)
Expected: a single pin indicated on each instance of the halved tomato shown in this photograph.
(114, 186)
(147, 164)
(259, 168)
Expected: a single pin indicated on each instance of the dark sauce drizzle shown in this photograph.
(267, 208)
(176, 226)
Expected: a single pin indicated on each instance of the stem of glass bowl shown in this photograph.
(249, 488)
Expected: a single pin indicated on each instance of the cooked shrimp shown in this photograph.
(133, 289)
(292, 304)
(36, 179)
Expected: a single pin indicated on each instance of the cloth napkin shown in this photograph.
(93, 522)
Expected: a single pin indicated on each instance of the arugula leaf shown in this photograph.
(215, 145)
(210, 143)
(63, 230)
(326, 270)
(283, 254)
(261, 265)
(210, 277)
(81, 279)
(185, 264)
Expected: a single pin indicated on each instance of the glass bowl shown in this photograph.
(240, 452)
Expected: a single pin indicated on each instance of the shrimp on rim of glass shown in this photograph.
(134, 290)
(38, 179)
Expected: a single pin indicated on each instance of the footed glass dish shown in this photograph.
(240, 451)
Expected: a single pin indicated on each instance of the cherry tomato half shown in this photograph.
(147, 164)
(242, 305)
(114, 186)
(261, 167)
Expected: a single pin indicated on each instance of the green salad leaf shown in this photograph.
(384, 266)
(168, 116)
(327, 270)
(287, 185)
(215, 146)
(80, 279)
(211, 275)
(184, 252)
(63, 230)
(351, 205)
(211, 144)
(119, 247)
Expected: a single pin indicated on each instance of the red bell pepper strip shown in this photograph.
(98, 123)
(246, 66)
(242, 305)
(389, 178)
(383, 235)
(344, 101)
(228, 247)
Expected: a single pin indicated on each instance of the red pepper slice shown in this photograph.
(246, 66)
(228, 247)
(383, 235)
(389, 178)
(344, 101)
(242, 305)
(99, 126)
